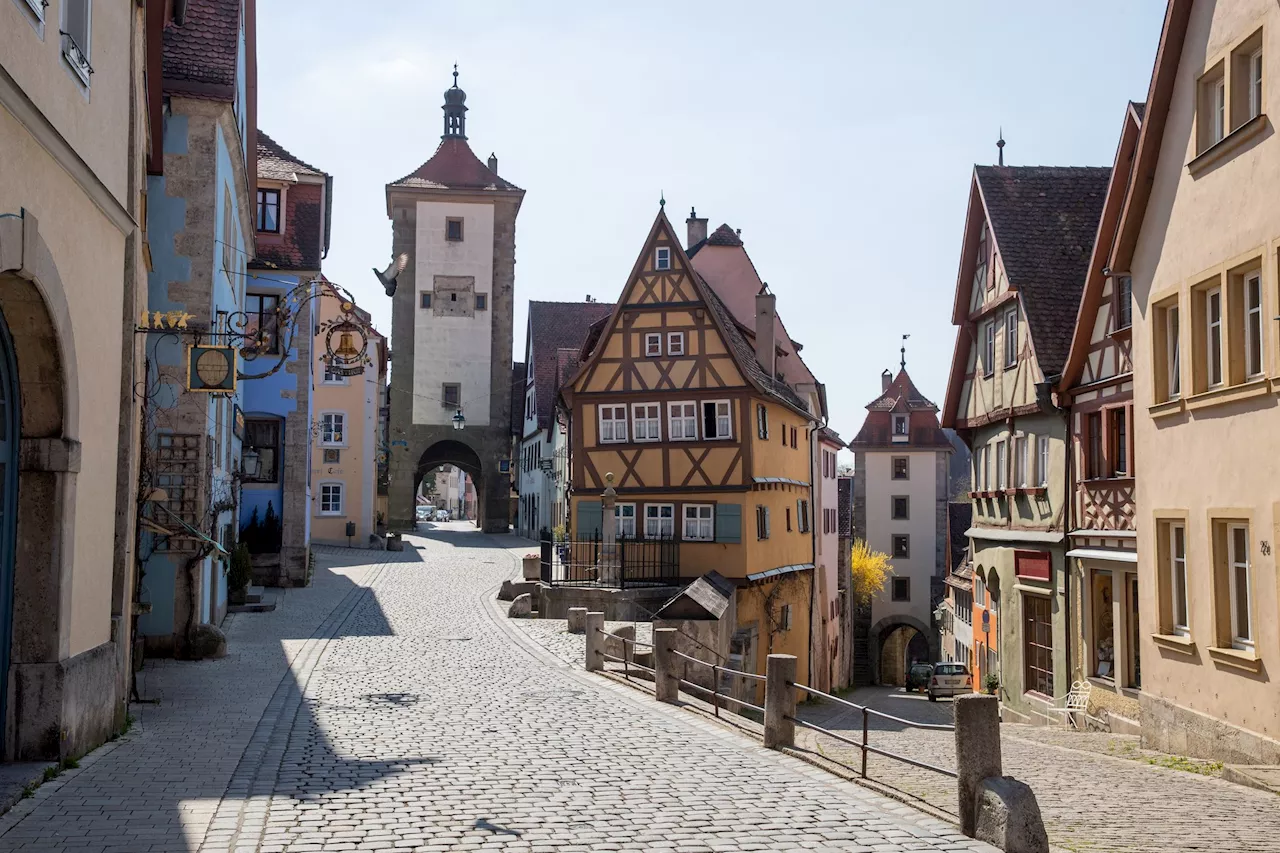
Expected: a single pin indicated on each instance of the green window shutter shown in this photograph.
(728, 523)
(590, 519)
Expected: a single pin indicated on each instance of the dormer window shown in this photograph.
(900, 431)
(269, 210)
(662, 258)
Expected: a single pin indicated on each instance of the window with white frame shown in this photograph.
(762, 522)
(646, 421)
(1178, 579)
(1042, 460)
(1255, 84)
(675, 343)
(1253, 325)
(624, 517)
(802, 515)
(699, 525)
(331, 499)
(333, 428)
(1173, 355)
(77, 28)
(716, 420)
(683, 424)
(332, 377)
(1020, 455)
(1213, 339)
(1011, 338)
(1241, 615)
(659, 521)
(36, 7)
(613, 424)
(901, 428)
(1001, 462)
(1124, 302)
(989, 348)
(662, 258)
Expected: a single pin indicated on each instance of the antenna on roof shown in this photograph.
(1000, 146)
(903, 350)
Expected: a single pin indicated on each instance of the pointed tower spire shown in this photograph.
(1000, 146)
(455, 110)
(903, 351)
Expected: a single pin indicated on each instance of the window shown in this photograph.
(424, 299)
(333, 378)
(260, 310)
(1253, 325)
(1020, 454)
(76, 33)
(624, 518)
(1094, 462)
(1238, 577)
(451, 395)
(646, 420)
(698, 525)
(37, 9)
(675, 343)
(762, 522)
(332, 426)
(788, 512)
(684, 421)
(762, 421)
(802, 515)
(1011, 338)
(1168, 352)
(613, 423)
(900, 428)
(1213, 338)
(989, 348)
(1211, 109)
(482, 301)
(662, 258)
(1124, 302)
(901, 468)
(981, 469)
(1255, 84)
(659, 521)
(453, 229)
(331, 499)
(784, 618)
(980, 279)
(793, 438)
(1176, 577)
(1001, 466)
(1042, 460)
(653, 344)
(901, 507)
(1037, 644)
(901, 546)
(901, 589)
(263, 436)
(228, 232)
(269, 210)
(1118, 435)
(716, 422)
(528, 405)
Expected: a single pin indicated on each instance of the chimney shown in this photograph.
(886, 379)
(766, 345)
(493, 163)
(697, 229)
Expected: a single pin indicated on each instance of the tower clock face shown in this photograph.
(212, 368)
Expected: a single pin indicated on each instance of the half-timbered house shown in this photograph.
(1098, 383)
(706, 446)
(1028, 236)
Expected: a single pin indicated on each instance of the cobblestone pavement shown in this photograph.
(389, 708)
(1097, 792)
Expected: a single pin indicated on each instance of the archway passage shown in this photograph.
(896, 643)
(458, 477)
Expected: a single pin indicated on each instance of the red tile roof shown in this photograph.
(278, 164)
(203, 50)
(558, 330)
(455, 166)
(901, 397)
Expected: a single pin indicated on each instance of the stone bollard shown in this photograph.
(779, 701)
(1008, 816)
(666, 672)
(977, 720)
(577, 620)
(595, 641)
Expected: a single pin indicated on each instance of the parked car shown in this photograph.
(424, 513)
(442, 515)
(918, 676)
(950, 679)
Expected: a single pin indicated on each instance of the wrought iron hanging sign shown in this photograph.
(351, 355)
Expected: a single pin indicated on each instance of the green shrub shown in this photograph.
(241, 568)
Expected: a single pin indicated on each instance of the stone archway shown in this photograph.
(461, 455)
(897, 635)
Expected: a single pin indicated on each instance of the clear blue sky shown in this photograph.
(839, 137)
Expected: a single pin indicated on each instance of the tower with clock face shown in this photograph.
(451, 334)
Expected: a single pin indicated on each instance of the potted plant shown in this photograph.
(532, 567)
(991, 683)
(240, 574)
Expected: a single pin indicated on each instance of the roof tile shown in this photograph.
(455, 166)
(205, 47)
(558, 331)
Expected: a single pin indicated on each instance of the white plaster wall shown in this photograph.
(453, 349)
(921, 488)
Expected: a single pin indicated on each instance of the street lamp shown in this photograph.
(459, 422)
(250, 459)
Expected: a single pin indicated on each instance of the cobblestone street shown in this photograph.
(1097, 792)
(387, 708)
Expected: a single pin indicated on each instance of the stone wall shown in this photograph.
(1171, 728)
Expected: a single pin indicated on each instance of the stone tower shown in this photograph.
(451, 322)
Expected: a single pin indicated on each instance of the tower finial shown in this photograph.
(903, 351)
(1000, 146)
(455, 75)
(455, 110)
(662, 199)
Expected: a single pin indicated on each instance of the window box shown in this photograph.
(1228, 146)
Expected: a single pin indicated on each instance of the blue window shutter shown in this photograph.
(728, 523)
(590, 519)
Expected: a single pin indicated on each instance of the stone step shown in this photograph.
(254, 594)
(1261, 776)
(265, 603)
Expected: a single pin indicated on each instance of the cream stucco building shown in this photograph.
(1199, 235)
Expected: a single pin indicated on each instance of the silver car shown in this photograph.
(442, 515)
(949, 679)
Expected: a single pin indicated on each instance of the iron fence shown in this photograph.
(627, 563)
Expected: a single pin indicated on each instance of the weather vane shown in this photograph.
(903, 350)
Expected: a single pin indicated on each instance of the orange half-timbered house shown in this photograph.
(683, 406)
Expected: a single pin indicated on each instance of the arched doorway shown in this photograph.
(458, 455)
(9, 432)
(896, 643)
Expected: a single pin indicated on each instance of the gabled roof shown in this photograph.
(830, 435)
(553, 328)
(1091, 296)
(707, 598)
(1044, 220)
(455, 167)
(901, 395)
(204, 49)
(276, 163)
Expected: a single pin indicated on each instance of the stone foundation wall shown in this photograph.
(617, 605)
(1171, 728)
(57, 710)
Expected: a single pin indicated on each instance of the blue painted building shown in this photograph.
(200, 220)
(291, 221)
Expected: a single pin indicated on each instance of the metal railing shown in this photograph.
(867, 713)
(629, 562)
(716, 671)
(626, 659)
